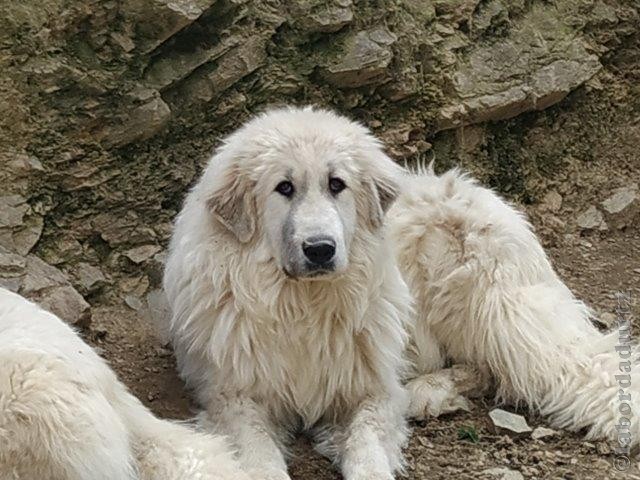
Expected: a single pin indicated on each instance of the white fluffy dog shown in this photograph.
(65, 416)
(289, 311)
(488, 296)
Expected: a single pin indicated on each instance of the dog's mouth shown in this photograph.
(311, 272)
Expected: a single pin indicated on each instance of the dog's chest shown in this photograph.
(309, 364)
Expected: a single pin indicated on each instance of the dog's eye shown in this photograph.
(336, 185)
(285, 188)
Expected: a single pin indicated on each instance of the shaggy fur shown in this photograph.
(488, 296)
(269, 352)
(65, 416)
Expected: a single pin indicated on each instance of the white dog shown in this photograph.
(65, 416)
(488, 296)
(288, 309)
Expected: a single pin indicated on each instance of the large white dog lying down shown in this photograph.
(290, 308)
(65, 416)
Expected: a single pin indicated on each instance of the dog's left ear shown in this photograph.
(383, 189)
(233, 205)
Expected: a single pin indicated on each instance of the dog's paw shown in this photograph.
(434, 394)
(369, 475)
(267, 474)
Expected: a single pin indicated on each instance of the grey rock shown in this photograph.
(12, 211)
(552, 201)
(141, 123)
(543, 432)
(229, 69)
(50, 288)
(503, 473)
(490, 14)
(133, 302)
(330, 19)
(67, 303)
(156, 20)
(367, 54)
(510, 422)
(122, 229)
(537, 65)
(591, 219)
(89, 277)
(457, 10)
(177, 64)
(142, 253)
(622, 207)
(22, 164)
(20, 226)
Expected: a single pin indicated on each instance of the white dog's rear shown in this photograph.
(65, 415)
(488, 296)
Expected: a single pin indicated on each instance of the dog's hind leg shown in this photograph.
(435, 390)
(55, 426)
(444, 391)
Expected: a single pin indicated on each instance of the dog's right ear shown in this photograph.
(233, 204)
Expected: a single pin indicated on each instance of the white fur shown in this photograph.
(488, 296)
(267, 354)
(65, 415)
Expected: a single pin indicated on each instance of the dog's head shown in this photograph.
(304, 181)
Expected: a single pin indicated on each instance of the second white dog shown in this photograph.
(65, 416)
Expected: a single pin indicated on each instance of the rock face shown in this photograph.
(109, 109)
(536, 66)
(366, 57)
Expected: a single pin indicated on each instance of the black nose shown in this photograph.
(319, 250)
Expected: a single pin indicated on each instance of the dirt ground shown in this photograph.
(596, 265)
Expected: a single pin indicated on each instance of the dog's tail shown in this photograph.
(581, 382)
(171, 450)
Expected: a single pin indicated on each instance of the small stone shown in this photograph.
(552, 201)
(591, 219)
(622, 206)
(133, 302)
(508, 421)
(542, 432)
(503, 473)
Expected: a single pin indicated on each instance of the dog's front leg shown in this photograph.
(248, 425)
(373, 440)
